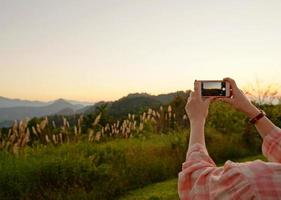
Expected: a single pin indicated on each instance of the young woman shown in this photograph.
(200, 178)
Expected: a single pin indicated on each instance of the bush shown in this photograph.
(226, 119)
(106, 170)
(99, 170)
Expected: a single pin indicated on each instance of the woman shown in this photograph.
(200, 178)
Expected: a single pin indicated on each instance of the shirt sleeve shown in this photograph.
(196, 164)
(271, 146)
(200, 178)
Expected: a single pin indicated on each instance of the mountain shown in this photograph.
(8, 103)
(168, 98)
(83, 103)
(163, 98)
(133, 103)
(21, 112)
(66, 111)
(92, 108)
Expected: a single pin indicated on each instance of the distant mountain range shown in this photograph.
(9, 103)
(16, 109)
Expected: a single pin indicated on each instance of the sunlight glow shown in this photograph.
(101, 50)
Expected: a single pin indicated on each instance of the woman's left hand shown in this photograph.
(197, 107)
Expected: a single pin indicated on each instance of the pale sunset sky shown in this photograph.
(95, 50)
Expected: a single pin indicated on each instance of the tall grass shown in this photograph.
(105, 170)
(21, 134)
(102, 171)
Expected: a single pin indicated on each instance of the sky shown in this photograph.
(92, 50)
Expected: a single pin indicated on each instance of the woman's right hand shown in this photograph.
(239, 100)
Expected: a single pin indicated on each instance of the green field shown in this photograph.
(166, 190)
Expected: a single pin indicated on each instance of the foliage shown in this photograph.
(104, 170)
(273, 112)
(166, 190)
(226, 119)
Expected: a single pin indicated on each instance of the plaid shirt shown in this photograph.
(200, 178)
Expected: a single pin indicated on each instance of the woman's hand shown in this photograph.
(242, 103)
(239, 100)
(196, 107)
(197, 111)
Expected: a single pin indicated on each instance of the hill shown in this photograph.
(133, 103)
(162, 98)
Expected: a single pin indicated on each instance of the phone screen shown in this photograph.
(213, 88)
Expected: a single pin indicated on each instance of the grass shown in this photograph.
(251, 158)
(106, 170)
(94, 171)
(167, 190)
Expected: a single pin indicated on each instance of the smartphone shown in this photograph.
(215, 88)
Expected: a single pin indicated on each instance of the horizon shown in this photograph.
(82, 101)
(95, 51)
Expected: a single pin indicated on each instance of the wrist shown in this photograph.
(255, 119)
(197, 132)
(197, 122)
(252, 111)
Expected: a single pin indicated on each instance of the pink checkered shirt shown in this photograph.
(200, 178)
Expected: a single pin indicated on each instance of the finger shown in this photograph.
(231, 82)
(197, 88)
